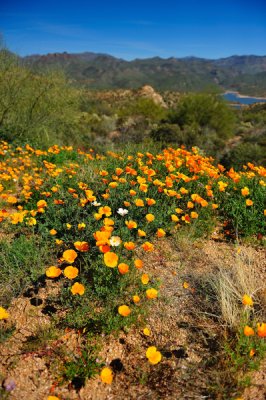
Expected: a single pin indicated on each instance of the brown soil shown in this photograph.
(188, 335)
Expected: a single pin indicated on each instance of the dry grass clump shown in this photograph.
(231, 284)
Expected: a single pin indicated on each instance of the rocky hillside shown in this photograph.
(101, 71)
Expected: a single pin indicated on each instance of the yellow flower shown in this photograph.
(78, 288)
(145, 279)
(12, 200)
(69, 256)
(31, 221)
(53, 398)
(106, 375)
(151, 293)
(110, 259)
(53, 272)
(222, 185)
(53, 232)
(3, 313)
(247, 300)
(124, 310)
(150, 217)
(141, 233)
(186, 285)
(113, 185)
(71, 272)
(81, 226)
(252, 352)
(147, 332)
(153, 355)
(174, 218)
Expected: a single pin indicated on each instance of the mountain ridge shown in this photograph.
(103, 71)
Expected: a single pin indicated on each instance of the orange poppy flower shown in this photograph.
(248, 331)
(145, 279)
(190, 204)
(245, 191)
(78, 288)
(119, 171)
(247, 300)
(153, 355)
(123, 268)
(41, 204)
(53, 272)
(194, 215)
(151, 293)
(138, 263)
(69, 256)
(141, 233)
(147, 246)
(71, 272)
(150, 217)
(53, 232)
(129, 245)
(136, 299)
(104, 248)
(124, 310)
(139, 202)
(160, 233)
(261, 329)
(249, 202)
(82, 246)
(131, 224)
(150, 202)
(110, 259)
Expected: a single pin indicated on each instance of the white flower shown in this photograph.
(95, 203)
(122, 211)
(115, 241)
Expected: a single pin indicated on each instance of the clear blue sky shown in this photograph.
(135, 29)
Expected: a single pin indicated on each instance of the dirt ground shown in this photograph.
(188, 335)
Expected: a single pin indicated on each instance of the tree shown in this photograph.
(38, 107)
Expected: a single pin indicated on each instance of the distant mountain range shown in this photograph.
(246, 74)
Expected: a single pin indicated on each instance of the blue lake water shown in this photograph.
(234, 98)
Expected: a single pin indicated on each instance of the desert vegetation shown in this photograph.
(132, 241)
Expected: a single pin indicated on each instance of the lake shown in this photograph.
(234, 97)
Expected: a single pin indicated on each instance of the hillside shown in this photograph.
(101, 71)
